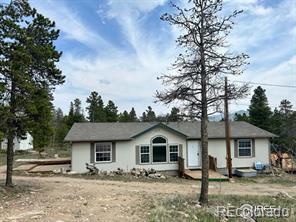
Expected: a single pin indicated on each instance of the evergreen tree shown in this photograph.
(111, 112)
(240, 117)
(144, 117)
(133, 115)
(175, 116)
(41, 127)
(75, 113)
(150, 114)
(27, 63)
(259, 111)
(96, 111)
(124, 117)
(60, 128)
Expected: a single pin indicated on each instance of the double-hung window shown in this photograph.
(244, 148)
(145, 154)
(174, 153)
(103, 152)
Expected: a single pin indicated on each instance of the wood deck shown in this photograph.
(213, 176)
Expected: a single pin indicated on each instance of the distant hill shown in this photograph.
(220, 116)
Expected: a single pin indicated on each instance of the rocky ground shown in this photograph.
(74, 199)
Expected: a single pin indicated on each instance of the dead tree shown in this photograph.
(197, 80)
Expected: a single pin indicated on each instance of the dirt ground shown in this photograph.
(73, 199)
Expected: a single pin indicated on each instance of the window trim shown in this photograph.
(159, 144)
(169, 151)
(251, 148)
(140, 154)
(111, 150)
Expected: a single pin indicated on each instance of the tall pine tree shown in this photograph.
(27, 63)
(111, 112)
(259, 110)
(95, 108)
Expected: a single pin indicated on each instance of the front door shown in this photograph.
(193, 154)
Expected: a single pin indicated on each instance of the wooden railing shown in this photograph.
(181, 166)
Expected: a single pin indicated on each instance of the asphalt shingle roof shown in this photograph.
(126, 131)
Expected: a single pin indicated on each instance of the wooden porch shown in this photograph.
(196, 175)
(214, 175)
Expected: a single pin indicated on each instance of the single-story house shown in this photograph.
(158, 145)
(19, 144)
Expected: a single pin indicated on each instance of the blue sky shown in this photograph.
(119, 47)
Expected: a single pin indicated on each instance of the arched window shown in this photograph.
(159, 149)
(159, 139)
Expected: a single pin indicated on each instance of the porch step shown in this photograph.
(213, 175)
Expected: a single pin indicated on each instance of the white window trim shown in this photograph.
(166, 151)
(144, 153)
(173, 152)
(95, 150)
(238, 148)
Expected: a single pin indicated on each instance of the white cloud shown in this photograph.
(69, 22)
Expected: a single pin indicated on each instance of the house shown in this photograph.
(157, 145)
(19, 144)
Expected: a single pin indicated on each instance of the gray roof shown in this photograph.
(191, 130)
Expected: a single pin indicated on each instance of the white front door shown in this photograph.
(193, 154)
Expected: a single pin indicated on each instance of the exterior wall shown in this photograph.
(25, 144)
(217, 148)
(126, 153)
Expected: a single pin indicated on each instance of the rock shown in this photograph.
(151, 176)
(85, 203)
(157, 175)
(162, 177)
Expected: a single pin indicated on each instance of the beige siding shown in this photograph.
(125, 153)
(217, 148)
(126, 157)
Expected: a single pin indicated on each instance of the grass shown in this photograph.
(285, 179)
(12, 193)
(184, 208)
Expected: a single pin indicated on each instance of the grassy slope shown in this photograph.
(182, 208)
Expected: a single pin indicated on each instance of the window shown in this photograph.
(245, 148)
(159, 140)
(159, 145)
(103, 152)
(174, 153)
(144, 154)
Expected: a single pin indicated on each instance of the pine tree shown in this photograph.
(60, 128)
(75, 113)
(96, 111)
(197, 82)
(150, 114)
(124, 117)
(27, 63)
(111, 112)
(41, 127)
(241, 117)
(144, 117)
(259, 111)
(133, 115)
(175, 115)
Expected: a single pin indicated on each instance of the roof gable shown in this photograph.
(160, 125)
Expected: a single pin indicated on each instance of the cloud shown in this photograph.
(127, 75)
(69, 22)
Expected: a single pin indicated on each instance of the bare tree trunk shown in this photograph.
(203, 199)
(10, 137)
(10, 154)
